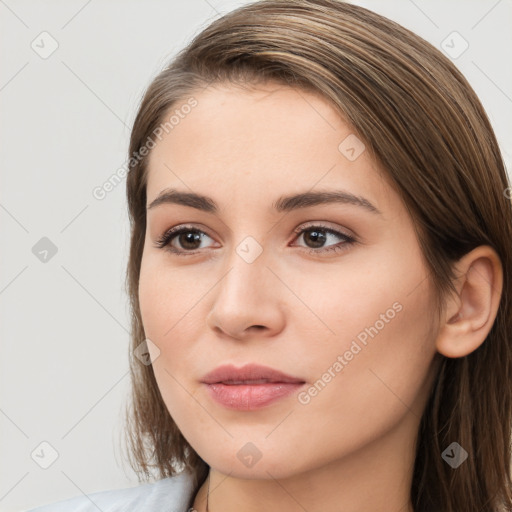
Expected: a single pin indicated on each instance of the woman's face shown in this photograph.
(274, 281)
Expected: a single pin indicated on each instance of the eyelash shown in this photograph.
(168, 236)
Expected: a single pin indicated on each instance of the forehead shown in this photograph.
(247, 145)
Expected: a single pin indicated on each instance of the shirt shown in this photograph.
(171, 494)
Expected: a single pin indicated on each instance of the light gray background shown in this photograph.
(65, 127)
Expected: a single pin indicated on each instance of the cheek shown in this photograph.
(150, 302)
(167, 298)
(173, 318)
(373, 358)
(376, 369)
(161, 311)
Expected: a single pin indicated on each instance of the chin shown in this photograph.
(271, 466)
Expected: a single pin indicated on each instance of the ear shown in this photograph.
(470, 314)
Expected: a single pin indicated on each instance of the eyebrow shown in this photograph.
(282, 204)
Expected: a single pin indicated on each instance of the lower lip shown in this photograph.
(248, 397)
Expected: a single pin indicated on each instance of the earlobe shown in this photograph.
(470, 314)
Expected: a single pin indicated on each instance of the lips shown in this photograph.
(248, 374)
(250, 387)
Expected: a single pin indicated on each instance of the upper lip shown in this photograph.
(249, 372)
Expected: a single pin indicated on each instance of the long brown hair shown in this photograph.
(422, 121)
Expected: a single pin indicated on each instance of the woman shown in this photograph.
(320, 274)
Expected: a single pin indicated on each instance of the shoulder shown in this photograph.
(170, 494)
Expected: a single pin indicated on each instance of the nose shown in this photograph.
(248, 301)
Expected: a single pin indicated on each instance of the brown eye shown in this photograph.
(188, 239)
(316, 237)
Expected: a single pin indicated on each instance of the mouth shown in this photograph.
(248, 382)
(248, 374)
(250, 387)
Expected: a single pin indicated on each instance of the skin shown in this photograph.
(351, 447)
